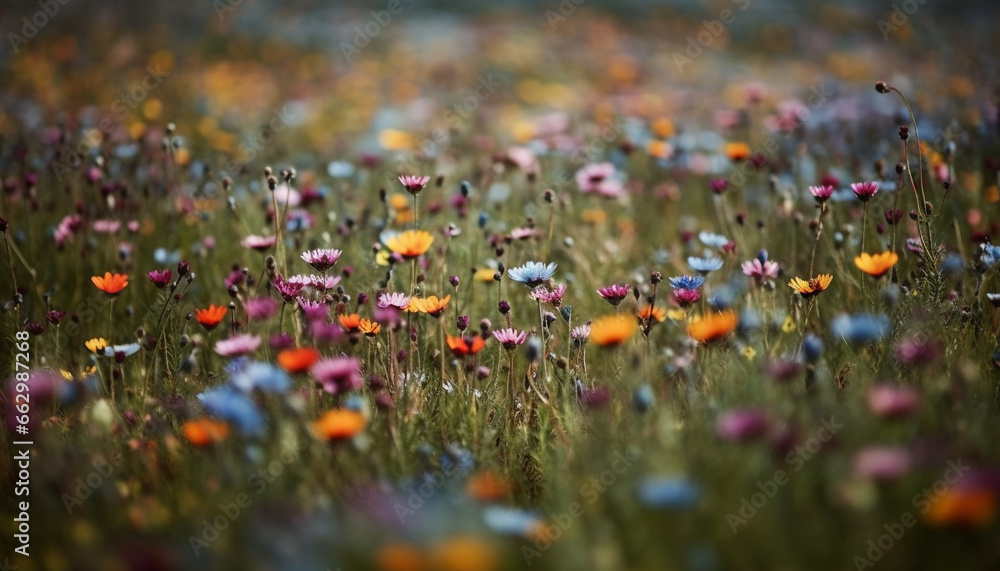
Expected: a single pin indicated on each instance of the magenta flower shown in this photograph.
(107, 226)
(321, 260)
(160, 278)
(259, 243)
(260, 308)
(821, 193)
(337, 374)
(888, 401)
(414, 184)
(313, 310)
(580, 334)
(237, 345)
(54, 316)
(614, 293)
(741, 424)
(759, 271)
(545, 295)
(685, 297)
(288, 289)
(718, 185)
(510, 338)
(865, 190)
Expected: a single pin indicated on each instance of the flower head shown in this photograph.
(510, 338)
(321, 260)
(821, 193)
(338, 424)
(599, 178)
(713, 327)
(812, 287)
(759, 271)
(545, 295)
(297, 360)
(259, 243)
(532, 274)
(429, 305)
(704, 265)
(686, 282)
(160, 278)
(860, 328)
(410, 244)
(210, 317)
(337, 374)
(612, 329)
(398, 300)
(97, 345)
(876, 264)
(205, 431)
(243, 344)
(737, 151)
(414, 184)
(111, 284)
(864, 190)
(462, 346)
(685, 297)
(614, 294)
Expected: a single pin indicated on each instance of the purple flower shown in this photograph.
(917, 351)
(685, 297)
(414, 184)
(718, 185)
(160, 278)
(597, 177)
(398, 300)
(864, 190)
(260, 308)
(337, 374)
(259, 243)
(54, 316)
(313, 310)
(759, 271)
(288, 289)
(741, 424)
(553, 296)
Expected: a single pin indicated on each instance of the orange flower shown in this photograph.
(430, 305)
(737, 151)
(369, 327)
(297, 360)
(811, 287)
(210, 317)
(714, 326)
(612, 329)
(410, 244)
(464, 554)
(400, 557)
(963, 507)
(205, 431)
(350, 322)
(487, 487)
(465, 346)
(111, 284)
(655, 313)
(878, 264)
(339, 423)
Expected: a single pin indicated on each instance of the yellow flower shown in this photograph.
(878, 264)
(410, 244)
(749, 352)
(677, 314)
(430, 305)
(812, 287)
(484, 275)
(97, 344)
(789, 325)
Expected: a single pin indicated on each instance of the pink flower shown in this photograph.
(888, 401)
(107, 226)
(741, 424)
(160, 278)
(260, 308)
(237, 345)
(553, 296)
(398, 300)
(614, 294)
(757, 270)
(510, 338)
(337, 374)
(882, 463)
(321, 260)
(414, 184)
(597, 177)
(685, 297)
(864, 190)
(313, 310)
(288, 289)
(821, 193)
(259, 243)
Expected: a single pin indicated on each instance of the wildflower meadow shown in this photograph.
(436, 286)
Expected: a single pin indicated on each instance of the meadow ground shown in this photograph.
(568, 286)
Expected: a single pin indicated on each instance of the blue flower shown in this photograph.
(126, 350)
(713, 240)
(263, 376)
(532, 273)
(233, 406)
(166, 257)
(991, 255)
(511, 521)
(686, 282)
(860, 328)
(643, 398)
(661, 492)
(812, 348)
(704, 265)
